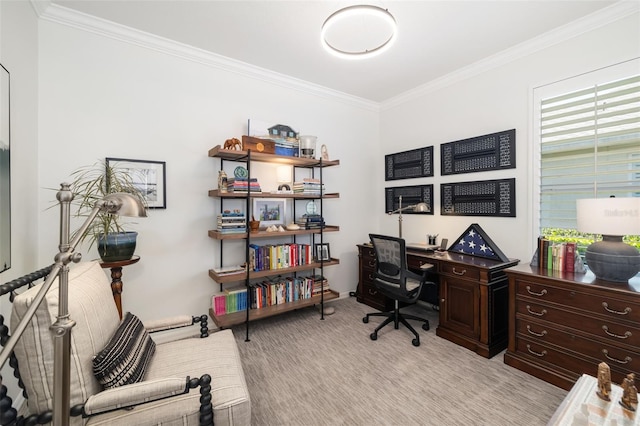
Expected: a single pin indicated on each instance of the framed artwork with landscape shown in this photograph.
(270, 211)
(148, 176)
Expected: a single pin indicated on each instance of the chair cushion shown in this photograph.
(96, 319)
(125, 358)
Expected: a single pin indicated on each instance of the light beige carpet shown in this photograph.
(301, 370)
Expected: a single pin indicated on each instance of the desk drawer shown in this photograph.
(461, 271)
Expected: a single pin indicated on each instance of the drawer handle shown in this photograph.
(542, 293)
(627, 310)
(464, 271)
(627, 359)
(373, 292)
(627, 334)
(543, 333)
(544, 311)
(372, 263)
(370, 276)
(539, 354)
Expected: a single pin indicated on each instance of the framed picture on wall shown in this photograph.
(148, 176)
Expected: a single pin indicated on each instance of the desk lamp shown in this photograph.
(416, 208)
(117, 203)
(611, 259)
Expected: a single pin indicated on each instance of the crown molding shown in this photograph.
(605, 16)
(92, 24)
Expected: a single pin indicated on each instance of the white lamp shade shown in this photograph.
(283, 174)
(609, 216)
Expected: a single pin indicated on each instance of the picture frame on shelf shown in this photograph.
(322, 252)
(148, 176)
(270, 211)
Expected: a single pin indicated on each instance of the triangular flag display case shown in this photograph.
(476, 242)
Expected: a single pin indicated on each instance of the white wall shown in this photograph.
(101, 97)
(495, 100)
(19, 54)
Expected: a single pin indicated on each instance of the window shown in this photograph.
(589, 143)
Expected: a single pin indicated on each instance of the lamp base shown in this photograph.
(613, 260)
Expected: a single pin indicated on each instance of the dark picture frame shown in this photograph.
(5, 170)
(150, 177)
(322, 252)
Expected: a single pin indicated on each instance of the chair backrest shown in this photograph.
(391, 259)
(96, 316)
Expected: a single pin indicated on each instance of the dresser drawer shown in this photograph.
(606, 305)
(603, 350)
(578, 363)
(614, 332)
(461, 271)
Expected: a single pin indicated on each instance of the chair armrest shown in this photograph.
(178, 322)
(168, 323)
(134, 394)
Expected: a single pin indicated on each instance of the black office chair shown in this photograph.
(394, 280)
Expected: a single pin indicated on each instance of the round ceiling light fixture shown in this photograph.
(358, 32)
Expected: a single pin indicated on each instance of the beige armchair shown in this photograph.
(168, 371)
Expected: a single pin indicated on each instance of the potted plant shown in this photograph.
(91, 184)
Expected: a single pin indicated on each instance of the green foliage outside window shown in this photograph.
(582, 240)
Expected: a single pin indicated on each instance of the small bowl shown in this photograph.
(254, 226)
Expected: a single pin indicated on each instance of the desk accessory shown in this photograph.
(476, 242)
(416, 208)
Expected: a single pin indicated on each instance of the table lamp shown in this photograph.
(283, 176)
(416, 208)
(613, 218)
(117, 203)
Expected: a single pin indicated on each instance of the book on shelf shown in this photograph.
(234, 269)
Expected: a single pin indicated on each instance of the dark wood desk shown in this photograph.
(473, 296)
(116, 278)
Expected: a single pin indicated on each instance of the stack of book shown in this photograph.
(310, 221)
(270, 292)
(230, 301)
(555, 256)
(242, 185)
(308, 186)
(232, 223)
(262, 258)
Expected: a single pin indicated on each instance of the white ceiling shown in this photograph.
(435, 38)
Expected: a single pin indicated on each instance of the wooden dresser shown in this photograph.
(562, 325)
(473, 296)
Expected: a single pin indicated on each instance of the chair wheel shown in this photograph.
(374, 336)
(365, 320)
(416, 342)
(425, 326)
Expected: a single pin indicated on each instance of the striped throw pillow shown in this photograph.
(125, 358)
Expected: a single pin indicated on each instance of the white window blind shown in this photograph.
(589, 147)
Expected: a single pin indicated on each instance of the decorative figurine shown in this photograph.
(629, 393)
(222, 181)
(233, 144)
(604, 381)
(324, 152)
